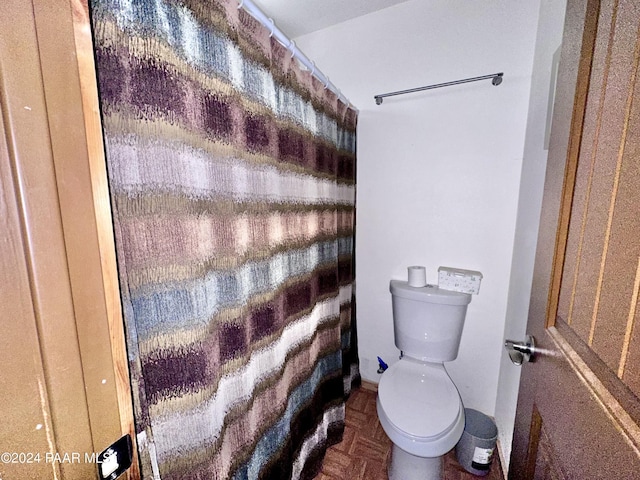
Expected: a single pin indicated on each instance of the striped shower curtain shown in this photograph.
(232, 178)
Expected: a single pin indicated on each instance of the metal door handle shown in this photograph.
(520, 352)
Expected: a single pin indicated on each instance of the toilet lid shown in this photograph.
(419, 399)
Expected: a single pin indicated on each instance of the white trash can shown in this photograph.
(477, 445)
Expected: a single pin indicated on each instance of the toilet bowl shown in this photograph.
(418, 405)
(420, 410)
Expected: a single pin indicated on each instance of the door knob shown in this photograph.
(520, 352)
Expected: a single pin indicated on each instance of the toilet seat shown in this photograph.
(420, 408)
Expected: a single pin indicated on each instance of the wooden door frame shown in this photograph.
(99, 198)
(53, 130)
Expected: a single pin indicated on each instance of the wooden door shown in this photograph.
(578, 407)
(64, 386)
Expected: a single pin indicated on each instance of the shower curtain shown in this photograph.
(232, 179)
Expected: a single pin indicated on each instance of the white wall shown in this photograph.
(438, 171)
(549, 38)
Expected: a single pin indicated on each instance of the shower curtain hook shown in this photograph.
(313, 69)
(326, 85)
(240, 4)
(292, 47)
(273, 26)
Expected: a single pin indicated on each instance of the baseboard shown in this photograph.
(503, 464)
(372, 387)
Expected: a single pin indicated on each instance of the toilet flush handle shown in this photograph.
(520, 352)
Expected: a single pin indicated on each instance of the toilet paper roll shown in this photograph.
(417, 276)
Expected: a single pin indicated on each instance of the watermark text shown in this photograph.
(26, 458)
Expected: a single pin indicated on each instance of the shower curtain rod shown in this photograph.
(496, 79)
(259, 15)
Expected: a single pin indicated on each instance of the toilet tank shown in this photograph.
(428, 321)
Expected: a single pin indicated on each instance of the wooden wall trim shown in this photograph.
(103, 217)
(69, 153)
(370, 386)
(573, 154)
(592, 160)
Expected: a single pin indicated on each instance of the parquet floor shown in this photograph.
(365, 449)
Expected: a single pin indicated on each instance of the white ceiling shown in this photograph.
(299, 17)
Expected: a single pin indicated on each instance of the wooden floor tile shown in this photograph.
(347, 440)
(365, 450)
(335, 463)
(369, 449)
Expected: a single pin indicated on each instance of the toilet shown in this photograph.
(418, 405)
